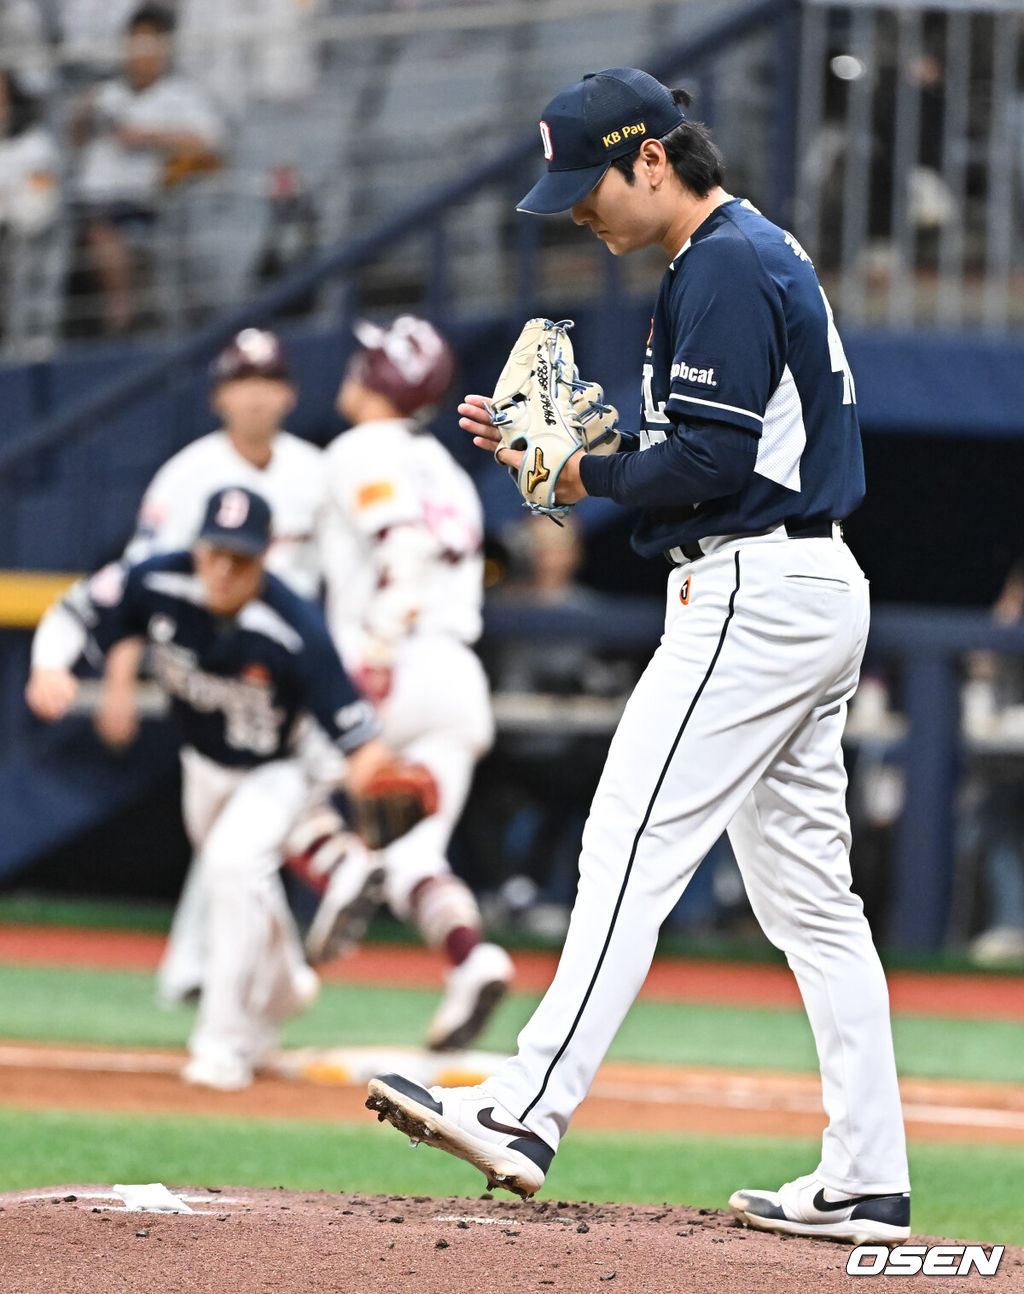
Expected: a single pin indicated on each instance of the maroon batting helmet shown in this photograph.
(252, 353)
(408, 361)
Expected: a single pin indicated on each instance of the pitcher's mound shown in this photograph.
(82, 1240)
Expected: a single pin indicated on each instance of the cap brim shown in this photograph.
(272, 374)
(558, 191)
(234, 542)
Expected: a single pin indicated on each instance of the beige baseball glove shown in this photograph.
(542, 407)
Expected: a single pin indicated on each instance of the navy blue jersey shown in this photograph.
(239, 684)
(749, 416)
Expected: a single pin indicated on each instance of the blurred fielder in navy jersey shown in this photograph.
(243, 659)
(747, 459)
(252, 391)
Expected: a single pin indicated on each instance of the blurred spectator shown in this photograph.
(926, 198)
(91, 32)
(147, 132)
(30, 260)
(264, 65)
(25, 43)
(535, 787)
(994, 693)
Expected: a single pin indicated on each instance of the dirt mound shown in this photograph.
(81, 1240)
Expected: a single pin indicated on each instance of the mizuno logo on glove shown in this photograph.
(538, 474)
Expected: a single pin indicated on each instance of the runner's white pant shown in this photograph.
(736, 723)
(233, 935)
(438, 714)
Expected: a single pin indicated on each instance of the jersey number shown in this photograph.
(654, 413)
(837, 356)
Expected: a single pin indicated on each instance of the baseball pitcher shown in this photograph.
(747, 460)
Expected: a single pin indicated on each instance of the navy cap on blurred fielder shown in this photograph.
(237, 519)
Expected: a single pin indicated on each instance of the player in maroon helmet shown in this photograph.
(403, 569)
(408, 363)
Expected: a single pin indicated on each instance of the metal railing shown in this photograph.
(529, 273)
(320, 125)
(928, 738)
(911, 135)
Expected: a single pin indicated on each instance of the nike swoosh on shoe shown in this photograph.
(487, 1120)
(833, 1206)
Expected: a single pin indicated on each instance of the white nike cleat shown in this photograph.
(807, 1207)
(354, 893)
(467, 1123)
(472, 990)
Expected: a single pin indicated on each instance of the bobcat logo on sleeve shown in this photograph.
(695, 372)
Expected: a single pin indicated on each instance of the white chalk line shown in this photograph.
(741, 1094)
(121, 1062)
(744, 1097)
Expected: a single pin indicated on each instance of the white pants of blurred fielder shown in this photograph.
(233, 935)
(736, 723)
(438, 713)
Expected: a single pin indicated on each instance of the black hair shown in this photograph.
(152, 15)
(691, 153)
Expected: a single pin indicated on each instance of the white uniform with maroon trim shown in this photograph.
(380, 476)
(292, 483)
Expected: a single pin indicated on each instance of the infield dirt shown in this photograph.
(68, 1239)
(79, 1239)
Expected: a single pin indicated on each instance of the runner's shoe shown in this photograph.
(222, 1073)
(467, 1123)
(354, 892)
(472, 990)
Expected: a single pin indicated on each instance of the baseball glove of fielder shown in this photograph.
(542, 407)
(397, 797)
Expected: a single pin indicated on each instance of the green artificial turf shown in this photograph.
(969, 1193)
(118, 1007)
(26, 907)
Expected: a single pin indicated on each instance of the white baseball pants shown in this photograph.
(438, 714)
(233, 935)
(736, 723)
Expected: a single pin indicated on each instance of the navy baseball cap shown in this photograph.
(238, 519)
(585, 128)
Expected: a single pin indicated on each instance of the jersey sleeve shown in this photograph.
(372, 489)
(699, 461)
(728, 336)
(168, 517)
(109, 606)
(342, 712)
